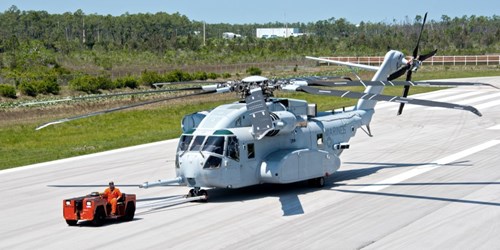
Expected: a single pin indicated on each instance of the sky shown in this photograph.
(264, 11)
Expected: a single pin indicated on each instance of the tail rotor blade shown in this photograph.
(406, 90)
(408, 75)
(401, 71)
(427, 56)
(415, 51)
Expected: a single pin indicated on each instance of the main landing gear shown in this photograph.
(317, 182)
(198, 192)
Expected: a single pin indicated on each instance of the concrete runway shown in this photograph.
(429, 179)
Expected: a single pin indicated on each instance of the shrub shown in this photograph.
(47, 86)
(254, 71)
(85, 83)
(200, 76)
(126, 82)
(149, 78)
(212, 75)
(226, 75)
(178, 76)
(104, 82)
(28, 88)
(7, 91)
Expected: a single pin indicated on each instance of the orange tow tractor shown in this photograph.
(95, 208)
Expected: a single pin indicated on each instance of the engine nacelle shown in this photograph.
(284, 122)
(191, 121)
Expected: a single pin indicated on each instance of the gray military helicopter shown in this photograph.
(264, 139)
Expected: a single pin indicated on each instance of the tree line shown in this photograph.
(161, 32)
(36, 42)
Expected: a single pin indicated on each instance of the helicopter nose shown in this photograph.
(192, 164)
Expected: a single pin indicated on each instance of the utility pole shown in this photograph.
(204, 34)
(83, 30)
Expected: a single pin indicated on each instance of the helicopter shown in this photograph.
(264, 139)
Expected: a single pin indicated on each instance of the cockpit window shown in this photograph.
(214, 144)
(184, 142)
(198, 140)
(212, 162)
(232, 148)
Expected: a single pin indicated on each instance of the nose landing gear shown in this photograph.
(198, 192)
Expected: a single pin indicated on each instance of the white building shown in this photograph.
(277, 32)
(230, 35)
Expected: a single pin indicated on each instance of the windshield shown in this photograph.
(184, 142)
(198, 140)
(214, 144)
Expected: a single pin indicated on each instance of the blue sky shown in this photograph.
(263, 11)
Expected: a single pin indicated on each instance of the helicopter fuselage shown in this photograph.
(222, 151)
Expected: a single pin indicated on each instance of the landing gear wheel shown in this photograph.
(320, 182)
(204, 193)
(190, 194)
(317, 182)
(197, 192)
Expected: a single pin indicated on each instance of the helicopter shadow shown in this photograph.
(353, 174)
(287, 195)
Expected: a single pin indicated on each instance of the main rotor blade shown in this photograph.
(112, 95)
(121, 108)
(396, 83)
(398, 99)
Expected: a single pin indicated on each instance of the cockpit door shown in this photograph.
(231, 164)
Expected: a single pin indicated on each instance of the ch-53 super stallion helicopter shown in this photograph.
(263, 139)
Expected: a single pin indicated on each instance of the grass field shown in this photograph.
(20, 144)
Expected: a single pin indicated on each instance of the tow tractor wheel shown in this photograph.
(99, 217)
(129, 212)
(71, 222)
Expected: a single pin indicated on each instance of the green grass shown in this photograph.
(20, 144)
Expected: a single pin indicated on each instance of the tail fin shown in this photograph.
(392, 61)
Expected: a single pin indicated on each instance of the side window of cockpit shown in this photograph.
(198, 140)
(232, 148)
(251, 151)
